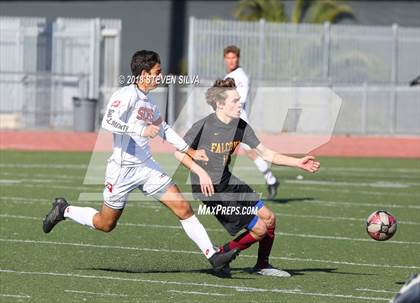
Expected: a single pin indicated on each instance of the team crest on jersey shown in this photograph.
(116, 103)
(145, 114)
(109, 186)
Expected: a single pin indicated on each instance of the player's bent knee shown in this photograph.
(104, 224)
(108, 226)
(260, 229)
(271, 222)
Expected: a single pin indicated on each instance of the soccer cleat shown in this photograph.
(272, 190)
(271, 271)
(55, 215)
(220, 260)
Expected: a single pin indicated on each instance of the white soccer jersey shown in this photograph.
(242, 84)
(128, 113)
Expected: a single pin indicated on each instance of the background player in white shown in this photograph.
(133, 119)
(231, 57)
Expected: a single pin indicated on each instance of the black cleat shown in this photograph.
(272, 190)
(224, 272)
(220, 260)
(55, 215)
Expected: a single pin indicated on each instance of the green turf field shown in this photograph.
(321, 238)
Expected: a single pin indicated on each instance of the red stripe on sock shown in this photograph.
(243, 241)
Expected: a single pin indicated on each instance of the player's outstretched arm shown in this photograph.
(307, 163)
(205, 181)
(167, 133)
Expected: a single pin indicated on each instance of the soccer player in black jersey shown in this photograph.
(212, 182)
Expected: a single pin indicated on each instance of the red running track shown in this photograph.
(340, 146)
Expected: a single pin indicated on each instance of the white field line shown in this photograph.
(101, 175)
(171, 251)
(352, 191)
(361, 220)
(377, 290)
(376, 184)
(34, 181)
(52, 186)
(37, 165)
(279, 215)
(309, 186)
(199, 293)
(381, 170)
(46, 176)
(249, 167)
(183, 283)
(94, 293)
(350, 204)
(15, 296)
(323, 237)
(157, 205)
(153, 205)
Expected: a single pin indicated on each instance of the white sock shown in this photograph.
(196, 232)
(263, 167)
(81, 215)
(269, 178)
(261, 164)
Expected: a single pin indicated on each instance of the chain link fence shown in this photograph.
(369, 67)
(43, 65)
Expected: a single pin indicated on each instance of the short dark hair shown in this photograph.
(232, 49)
(143, 60)
(216, 93)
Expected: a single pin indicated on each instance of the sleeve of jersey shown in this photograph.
(249, 137)
(193, 135)
(242, 88)
(112, 121)
(172, 137)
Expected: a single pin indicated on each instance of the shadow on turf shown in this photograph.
(293, 272)
(302, 271)
(154, 271)
(288, 200)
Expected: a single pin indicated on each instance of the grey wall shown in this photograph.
(147, 24)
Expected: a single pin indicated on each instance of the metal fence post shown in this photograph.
(394, 78)
(191, 70)
(326, 50)
(364, 108)
(261, 50)
(171, 104)
(95, 42)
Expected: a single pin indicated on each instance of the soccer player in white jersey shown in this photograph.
(231, 57)
(133, 119)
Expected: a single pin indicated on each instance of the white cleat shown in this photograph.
(272, 272)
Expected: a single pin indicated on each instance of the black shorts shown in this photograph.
(237, 196)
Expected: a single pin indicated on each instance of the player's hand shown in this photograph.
(206, 184)
(309, 164)
(151, 131)
(199, 155)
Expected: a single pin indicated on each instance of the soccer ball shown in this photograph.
(381, 225)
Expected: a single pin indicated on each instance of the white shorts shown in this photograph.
(121, 180)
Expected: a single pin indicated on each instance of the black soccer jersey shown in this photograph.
(219, 140)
